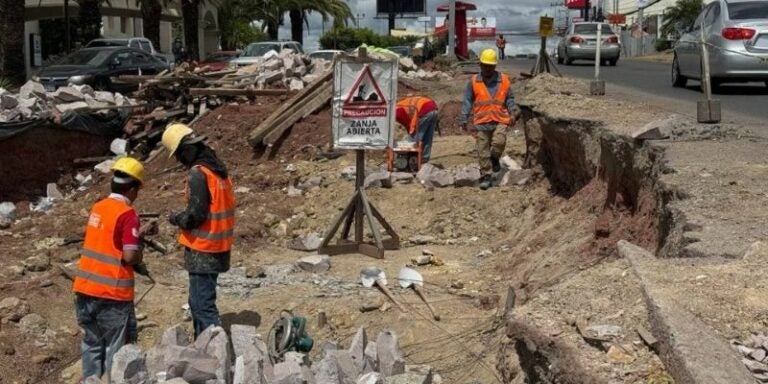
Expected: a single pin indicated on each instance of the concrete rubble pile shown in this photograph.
(282, 70)
(33, 102)
(215, 358)
(755, 352)
(421, 74)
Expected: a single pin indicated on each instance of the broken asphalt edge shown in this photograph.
(691, 350)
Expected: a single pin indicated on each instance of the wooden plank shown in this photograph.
(112, 107)
(370, 250)
(338, 249)
(390, 231)
(320, 97)
(258, 134)
(219, 73)
(236, 92)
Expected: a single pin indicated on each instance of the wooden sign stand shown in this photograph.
(544, 62)
(359, 209)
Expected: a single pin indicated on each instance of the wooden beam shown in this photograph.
(313, 102)
(237, 92)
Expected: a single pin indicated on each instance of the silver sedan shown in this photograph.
(580, 43)
(736, 33)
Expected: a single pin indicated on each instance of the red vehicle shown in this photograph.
(219, 60)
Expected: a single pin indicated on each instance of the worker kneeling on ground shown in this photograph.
(489, 98)
(419, 115)
(207, 224)
(104, 279)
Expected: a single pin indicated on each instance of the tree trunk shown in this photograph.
(297, 25)
(190, 10)
(90, 20)
(12, 40)
(272, 28)
(151, 12)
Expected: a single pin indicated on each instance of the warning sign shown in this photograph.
(364, 98)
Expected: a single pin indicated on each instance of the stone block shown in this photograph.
(408, 378)
(287, 373)
(370, 378)
(105, 167)
(104, 97)
(52, 191)
(468, 176)
(509, 163)
(314, 263)
(67, 95)
(8, 101)
(175, 336)
(31, 89)
(68, 107)
(218, 347)
(371, 357)
(431, 175)
(8, 210)
(401, 177)
(516, 177)
(326, 371)
(296, 84)
(128, 365)
(243, 338)
(357, 348)
(309, 242)
(347, 369)
(379, 179)
(390, 358)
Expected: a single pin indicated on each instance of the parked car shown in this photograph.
(325, 54)
(141, 43)
(580, 43)
(219, 60)
(254, 51)
(97, 66)
(402, 50)
(737, 35)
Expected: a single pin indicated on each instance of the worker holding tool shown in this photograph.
(419, 115)
(207, 224)
(104, 281)
(489, 98)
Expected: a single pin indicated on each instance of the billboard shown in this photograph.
(410, 7)
(576, 4)
(478, 28)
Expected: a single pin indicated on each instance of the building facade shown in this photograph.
(44, 20)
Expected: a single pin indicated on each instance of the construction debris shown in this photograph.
(755, 352)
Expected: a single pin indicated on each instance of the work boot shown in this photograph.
(485, 182)
(495, 163)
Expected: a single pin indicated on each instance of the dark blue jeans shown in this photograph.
(106, 324)
(202, 301)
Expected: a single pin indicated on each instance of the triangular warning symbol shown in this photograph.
(365, 92)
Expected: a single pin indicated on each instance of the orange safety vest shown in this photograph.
(491, 110)
(215, 234)
(101, 272)
(412, 106)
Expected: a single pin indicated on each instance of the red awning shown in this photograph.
(460, 6)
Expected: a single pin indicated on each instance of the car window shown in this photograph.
(259, 49)
(697, 23)
(146, 46)
(590, 29)
(107, 43)
(141, 58)
(748, 10)
(86, 57)
(123, 57)
(134, 44)
(712, 14)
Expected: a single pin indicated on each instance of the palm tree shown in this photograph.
(151, 13)
(190, 10)
(12, 40)
(680, 16)
(90, 19)
(298, 11)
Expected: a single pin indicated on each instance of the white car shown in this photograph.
(255, 51)
(325, 54)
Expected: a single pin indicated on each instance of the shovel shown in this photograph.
(371, 276)
(409, 277)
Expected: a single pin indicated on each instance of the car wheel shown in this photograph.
(568, 60)
(613, 62)
(559, 58)
(678, 80)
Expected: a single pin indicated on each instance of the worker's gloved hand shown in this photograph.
(141, 269)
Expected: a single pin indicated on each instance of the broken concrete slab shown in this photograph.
(13, 309)
(326, 371)
(8, 101)
(175, 336)
(370, 378)
(401, 177)
(65, 95)
(655, 130)
(128, 365)
(518, 177)
(104, 97)
(52, 191)
(119, 146)
(287, 373)
(309, 242)
(314, 263)
(67, 107)
(296, 85)
(389, 357)
(31, 89)
(408, 378)
(347, 369)
(509, 163)
(379, 179)
(243, 338)
(691, 350)
(214, 342)
(8, 210)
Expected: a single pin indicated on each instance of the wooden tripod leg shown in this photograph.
(348, 222)
(424, 299)
(371, 222)
(337, 223)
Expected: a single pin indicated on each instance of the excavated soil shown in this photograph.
(550, 247)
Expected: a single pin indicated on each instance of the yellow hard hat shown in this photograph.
(173, 135)
(130, 167)
(488, 56)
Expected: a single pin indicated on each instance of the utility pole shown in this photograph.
(451, 28)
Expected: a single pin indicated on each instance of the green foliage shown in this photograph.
(235, 25)
(663, 45)
(344, 38)
(682, 15)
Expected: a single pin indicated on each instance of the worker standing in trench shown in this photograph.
(207, 224)
(104, 281)
(419, 115)
(489, 98)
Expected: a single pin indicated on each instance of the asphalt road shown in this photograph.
(652, 79)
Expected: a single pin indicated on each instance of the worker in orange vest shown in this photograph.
(489, 98)
(501, 43)
(104, 284)
(207, 224)
(419, 115)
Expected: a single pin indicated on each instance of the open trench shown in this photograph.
(619, 176)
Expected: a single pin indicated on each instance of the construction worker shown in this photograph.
(489, 98)
(419, 115)
(104, 279)
(501, 44)
(207, 223)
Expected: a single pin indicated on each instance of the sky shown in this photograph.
(515, 16)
